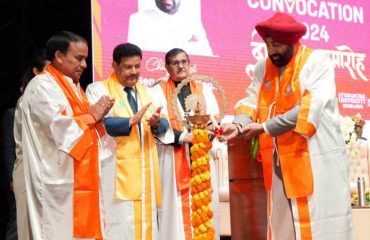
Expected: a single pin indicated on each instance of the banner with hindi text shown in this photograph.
(222, 42)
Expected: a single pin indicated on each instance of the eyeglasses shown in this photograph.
(177, 63)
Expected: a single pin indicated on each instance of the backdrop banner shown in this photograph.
(222, 42)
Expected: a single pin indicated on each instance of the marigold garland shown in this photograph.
(200, 183)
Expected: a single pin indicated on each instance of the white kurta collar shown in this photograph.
(75, 87)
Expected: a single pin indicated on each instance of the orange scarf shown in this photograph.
(182, 169)
(277, 97)
(86, 210)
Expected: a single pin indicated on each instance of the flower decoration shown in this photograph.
(350, 131)
(219, 131)
(348, 127)
(200, 183)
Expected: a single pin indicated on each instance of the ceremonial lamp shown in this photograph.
(196, 120)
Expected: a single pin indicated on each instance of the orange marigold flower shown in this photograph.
(205, 201)
(198, 203)
(193, 207)
(199, 187)
(196, 221)
(204, 217)
(210, 213)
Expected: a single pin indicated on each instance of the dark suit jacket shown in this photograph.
(8, 143)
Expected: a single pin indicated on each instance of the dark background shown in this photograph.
(25, 26)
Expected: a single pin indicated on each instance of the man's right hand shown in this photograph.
(188, 138)
(139, 115)
(101, 107)
(230, 131)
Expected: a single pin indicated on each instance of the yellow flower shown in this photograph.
(202, 145)
(202, 176)
(194, 148)
(209, 223)
(201, 195)
(197, 179)
(202, 228)
(194, 165)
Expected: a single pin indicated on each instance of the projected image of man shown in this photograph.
(166, 26)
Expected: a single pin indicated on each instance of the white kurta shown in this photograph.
(170, 214)
(119, 214)
(23, 230)
(329, 205)
(154, 30)
(47, 138)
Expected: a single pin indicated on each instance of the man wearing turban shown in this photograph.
(291, 107)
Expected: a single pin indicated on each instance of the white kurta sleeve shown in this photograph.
(92, 93)
(246, 108)
(18, 131)
(50, 110)
(318, 89)
(95, 91)
(157, 95)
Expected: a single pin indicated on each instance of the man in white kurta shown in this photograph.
(168, 26)
(291, 106)
(175, 213)
(131, 181)
(59, 132)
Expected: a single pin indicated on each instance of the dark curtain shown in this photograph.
(25, 26)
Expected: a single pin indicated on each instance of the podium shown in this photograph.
(247, 193)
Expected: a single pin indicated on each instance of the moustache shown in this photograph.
(133, 76)
(276, 55)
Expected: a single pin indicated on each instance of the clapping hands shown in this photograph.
(154, 119)
(101, 107)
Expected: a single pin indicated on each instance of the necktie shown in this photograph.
(133, 104)
(131, 100)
